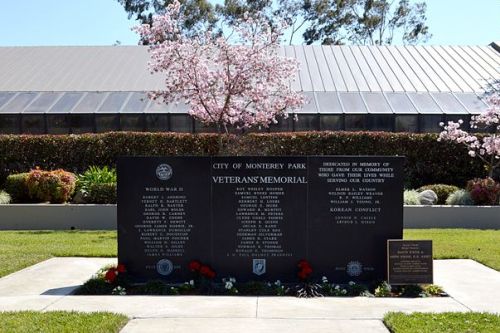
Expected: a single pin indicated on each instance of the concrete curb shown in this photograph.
(468, 217)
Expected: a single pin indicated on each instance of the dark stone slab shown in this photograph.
(163, 215)
(254, 218)
(259, 214)
(355, 205)
(409, 262)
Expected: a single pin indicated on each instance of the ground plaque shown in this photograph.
(254, 218)
(409, 261)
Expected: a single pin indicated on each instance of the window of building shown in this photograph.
(156, 122)
(406, 123)
(330, 122)
(113, 102)
(43, 102)
(381, 122)
(355, 122)
(400, 103)
(328, 102)
(19, 102)
(307, 122)
(137, 102)
(283, 125)
(33, 123)
(58, 123)
(107, 122)
(9, 124)
(352, 102)
(66, 103)
(376, 102)
(181, 123)
(430, 123)
(132, 122)
(82, 123)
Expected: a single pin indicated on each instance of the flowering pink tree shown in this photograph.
(238, 80)
(486, 147)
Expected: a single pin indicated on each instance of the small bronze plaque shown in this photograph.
(409, 261)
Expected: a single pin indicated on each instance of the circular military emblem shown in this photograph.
(164, 171)
(354, 268)
(164, 267)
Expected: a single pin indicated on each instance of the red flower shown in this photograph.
(194, 266)
(307, 270)
(204, 270)
(303, 263)
(302, 275)
(110, 275)
(211, 274)
(207, 272)
(121, 268)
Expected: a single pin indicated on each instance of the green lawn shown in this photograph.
(451, 322)
(60, 322)
(19, 249)
(480, 245)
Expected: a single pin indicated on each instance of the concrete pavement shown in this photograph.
(47, 287)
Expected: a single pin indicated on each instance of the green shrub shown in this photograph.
(434, 290)
(484, 191)
(4, 198)
(96, 175)
(98, 185)
(51, 186)
(411, 197)
(256, 288)
(442, 191)
(460, 198)
(356, 289)
(412, 290)
(95, 286)
(17, 188)
(383, 290)
(424, 155)
(101, 194)
(153, 287)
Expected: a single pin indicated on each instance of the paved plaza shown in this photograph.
(47, 286)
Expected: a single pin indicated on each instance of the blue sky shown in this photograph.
(102, 22)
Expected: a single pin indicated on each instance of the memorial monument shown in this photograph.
(254, 218)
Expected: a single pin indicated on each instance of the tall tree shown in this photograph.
(233, 10)
(196, 12)
(366, 22)
(292, 12)
(375, 22)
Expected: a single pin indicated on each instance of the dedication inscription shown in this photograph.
(355, 205)
(409, 261)
(256, 217)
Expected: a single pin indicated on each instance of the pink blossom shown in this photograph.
(486, 147)
(242, 84)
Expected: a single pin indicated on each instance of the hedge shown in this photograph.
(428, 161)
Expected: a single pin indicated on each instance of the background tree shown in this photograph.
(195, 12)
(365, 22)
(241, 85)
(293, 12)
(325, 21)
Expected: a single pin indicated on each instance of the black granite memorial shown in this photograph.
(254, 218)
(409, 262)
